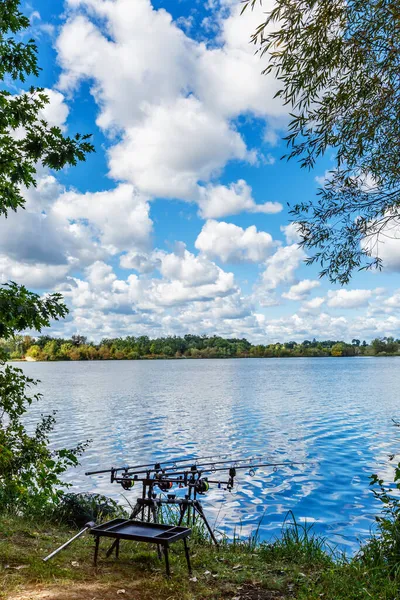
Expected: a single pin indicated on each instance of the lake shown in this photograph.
(333, 414)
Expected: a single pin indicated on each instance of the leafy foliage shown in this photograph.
(29, 469)
(386, 546)
(339, 63)
(25, 138)
(21, 309)
(79, 509)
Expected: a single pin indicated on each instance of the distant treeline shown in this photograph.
(190, 346)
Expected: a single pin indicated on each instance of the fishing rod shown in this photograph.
(190, 477)
(169, 466)
(166, 462)
(170, 471)
(197, 463)
(254, 466)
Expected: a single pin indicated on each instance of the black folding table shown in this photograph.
(138, 531)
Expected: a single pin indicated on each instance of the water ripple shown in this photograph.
(333, 414)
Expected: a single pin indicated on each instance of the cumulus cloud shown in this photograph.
(61, 231)
(56, 111)
(187, 268)
(281, 266)
(386, 246)
(348, 298)
(216, 201)
(39, 236)
(228, 77)
(393, 301)
(172, 99)
(291, 233)
(313, 305)
(185, 279)
(174, 147)
(301, 290)
(231, 243)
(143, 263)
(35, 274)
(119, 217)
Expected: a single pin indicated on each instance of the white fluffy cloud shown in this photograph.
(291, 233)
(281, 266)
(143, 263)
(185, 279)
(40, 239)
(231, 243)
(228, 77)
(386, 246)
(32, 274)
(61, 232)
(313, 305)
(175, 146)
(56, 112)
(218, 201)
(301, 290)
(187, 268)
(119, 218)
(172, 99)
(348, 298)
(393, 301)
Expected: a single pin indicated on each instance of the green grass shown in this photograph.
(297, 565)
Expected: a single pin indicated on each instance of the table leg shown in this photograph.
(117, 550)
(165, 549)
(96, 550)
(111, 548)
(187, 555)
(159, 552)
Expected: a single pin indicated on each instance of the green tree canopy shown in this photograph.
(39, 143)
(338, 63)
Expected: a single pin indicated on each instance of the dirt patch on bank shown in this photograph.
(77, 592)
(111, 592)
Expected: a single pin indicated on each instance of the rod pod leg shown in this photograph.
(199, 508)
(155, 519)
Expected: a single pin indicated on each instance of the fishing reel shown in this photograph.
(126, 482)
(165, 485)
(202, 486)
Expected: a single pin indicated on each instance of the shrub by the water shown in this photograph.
(78, 509)
(30, 469)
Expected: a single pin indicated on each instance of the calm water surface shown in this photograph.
(334, 414)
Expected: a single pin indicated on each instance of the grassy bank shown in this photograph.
(296, 566)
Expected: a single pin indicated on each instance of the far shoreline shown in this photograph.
(192, 358)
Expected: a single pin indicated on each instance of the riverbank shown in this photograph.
(296, 566)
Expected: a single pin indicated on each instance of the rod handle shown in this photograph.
(78, 535)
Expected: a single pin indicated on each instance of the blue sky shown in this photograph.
(179, 222)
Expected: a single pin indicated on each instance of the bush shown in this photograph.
(384, 547)
(29, 470)
(79, 509)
